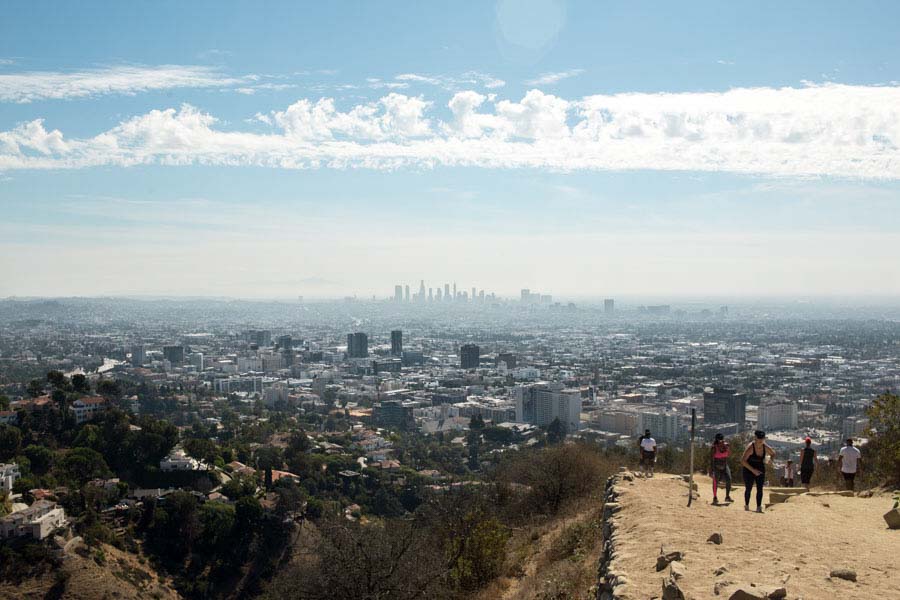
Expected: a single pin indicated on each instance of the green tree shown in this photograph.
(4, 402)
(247, 512)
(80, 383)
(82, 464)
(217, 521)
(10, 441)
(109, 388)
(40, 458)
(883, 449)
(479, 555)
(35, 388)
(556, 432)
(57, 380)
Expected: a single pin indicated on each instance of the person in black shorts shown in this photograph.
(807, 463)
(647, 446)
(754, 463)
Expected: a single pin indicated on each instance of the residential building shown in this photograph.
(178, 460)
(777, 414)
(665, 426)
(138, 355)
(37, 521)
(85, 409)
(397, 343)
(9, 473)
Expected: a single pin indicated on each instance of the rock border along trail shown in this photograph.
(790, 551)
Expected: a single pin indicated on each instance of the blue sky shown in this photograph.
(582, 148)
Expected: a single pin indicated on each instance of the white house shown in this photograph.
(177, 460)
(8, 476)
(37, 521)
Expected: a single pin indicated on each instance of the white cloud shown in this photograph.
(467, 79)
(551, 78)
(839, 130)
(39, 85)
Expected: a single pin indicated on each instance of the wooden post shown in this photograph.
(691, 475)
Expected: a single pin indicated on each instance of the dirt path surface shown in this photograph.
(794, 545)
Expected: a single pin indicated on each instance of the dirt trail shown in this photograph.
(795, 544)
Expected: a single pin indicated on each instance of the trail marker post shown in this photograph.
(691, 474)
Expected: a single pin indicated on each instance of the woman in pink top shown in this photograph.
(719, 470)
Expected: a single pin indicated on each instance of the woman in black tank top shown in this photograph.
(754, 463)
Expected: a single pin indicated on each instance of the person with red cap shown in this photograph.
(807, 463)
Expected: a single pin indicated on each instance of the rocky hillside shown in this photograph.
(810, 546)
(93, 574)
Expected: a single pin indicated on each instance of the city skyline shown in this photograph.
(585, 149)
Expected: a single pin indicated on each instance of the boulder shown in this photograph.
(778, 497)
(846, 493)
(720, 571)
(670, 589)
(748, 592)
(892, 518)
(715, 538)
(848, 574)
(663, 560)
(676, 570)
(627, 477)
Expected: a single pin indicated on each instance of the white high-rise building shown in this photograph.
(541, 403)
(778, 414)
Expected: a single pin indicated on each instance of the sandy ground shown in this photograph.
(795, 544)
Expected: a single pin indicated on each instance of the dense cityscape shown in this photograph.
(393, 399)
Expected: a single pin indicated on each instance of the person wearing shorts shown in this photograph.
(647, 447)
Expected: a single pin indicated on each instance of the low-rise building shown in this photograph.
(178, 460)
(37, 521)
(9, 473)
(86, 409)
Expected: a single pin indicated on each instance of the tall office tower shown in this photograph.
(541, 403)
(407, 293)
(454, 291)
(609, 306)
(197, 360)
(398, 293)
(422, 291)
(174, 354)
(473, 293)
(431, 294)
(447, 292)
(469, 355)
(438, 297)
(137, 355)
(724, 406)
(481, 296)
(526, 295)
(284, 342)
(396, 343)
(357, 345)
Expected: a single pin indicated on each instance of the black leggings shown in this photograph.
(749, 480)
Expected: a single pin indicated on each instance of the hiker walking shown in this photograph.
(789, 471)
(850, 463)
(754, 463)
(807, 463)
(719, 469)
(647, 447)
